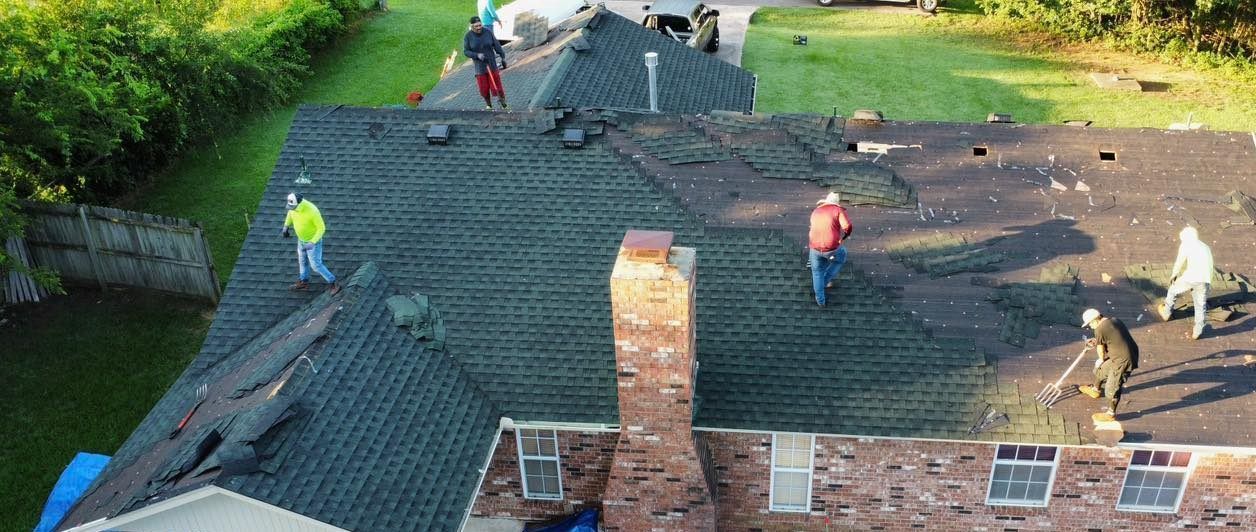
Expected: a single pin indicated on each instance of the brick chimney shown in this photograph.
(656, 481)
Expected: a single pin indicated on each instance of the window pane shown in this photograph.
(1040, 474)
(1167, 498)
(1007, 452)
(1147, 497)
(998, 489)
(527, 433)
(1026, 452)
(1135, 478)
(1181, 459)
(1153, 479)
(535, 483)
(1037, 492)
(1046, 453)
(530, 447)
(548, 447)
(1016, 490)
(1141, 458)
(551, 485)
(1160, 458)
(1173, 480)
(1002, 472)
(532, 467)
(549, 468)
(786, 479)
(790, 489)
(1020, 473)
(1128, 496)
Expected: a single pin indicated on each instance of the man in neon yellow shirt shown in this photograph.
(303, 216)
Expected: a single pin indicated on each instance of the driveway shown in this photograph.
(735, 16)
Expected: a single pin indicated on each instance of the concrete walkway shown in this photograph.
(735, 17)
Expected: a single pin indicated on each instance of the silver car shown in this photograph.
(927, 6)
(689, 22)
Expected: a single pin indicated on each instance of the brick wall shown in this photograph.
(862, 484)
(585, 460)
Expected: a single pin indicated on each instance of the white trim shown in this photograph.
(189, 497)
(488, 461)
(810, 471)
(557, 459)
(1241, 451)
(1187, 471)
(566, 427)
(1055, 467)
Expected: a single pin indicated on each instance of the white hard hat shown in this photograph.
(1189, 233)
(293, 200)
(1089, 316)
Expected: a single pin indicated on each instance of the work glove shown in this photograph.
(1091, 342)
(479, 56)
(287, 232)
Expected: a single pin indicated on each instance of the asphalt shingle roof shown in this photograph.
(596, 59)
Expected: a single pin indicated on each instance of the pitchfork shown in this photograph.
(201, 393)
(1052, 392)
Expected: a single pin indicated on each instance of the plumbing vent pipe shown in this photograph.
(651, 62)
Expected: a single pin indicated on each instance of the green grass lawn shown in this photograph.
(79, 374)
(959, 67)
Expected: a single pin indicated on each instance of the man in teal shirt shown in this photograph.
(488, 15)
(303, 216)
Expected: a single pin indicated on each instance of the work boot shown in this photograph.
(299, 285)
(1164, 311)
(502, 101)
(1089, 391)
(830, 284)
(1103, 417)
(488, 107)
(1196, 333)
(334, 288)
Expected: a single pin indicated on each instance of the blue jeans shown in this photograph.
(311, 256)
(1199, 292)
(824, 268)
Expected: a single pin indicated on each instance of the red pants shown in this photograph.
(490, 83)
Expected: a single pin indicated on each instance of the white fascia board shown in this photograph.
(488, 461)
(172, 503)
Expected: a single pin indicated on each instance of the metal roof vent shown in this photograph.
(999, 118)
(438, 134)
(651, 65)
(647, 246)
(573, 138)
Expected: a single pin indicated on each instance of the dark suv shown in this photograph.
(689, 22)
(927, 6)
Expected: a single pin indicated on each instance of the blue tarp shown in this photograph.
(585, 521)
(73, 482)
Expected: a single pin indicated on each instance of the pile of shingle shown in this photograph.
(422, 318)
(1226, 294)
(774, 154)
(864, 183)
(942, 254)
(1027, 307)
(1242, 204)
(677, 142)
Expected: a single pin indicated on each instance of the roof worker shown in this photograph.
(1191, 271)
(483, 48)
(488, 14)
(829, 227)
(308, 222)
(1118, 356)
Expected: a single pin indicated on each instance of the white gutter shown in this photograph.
(559, 425)
(501, 424)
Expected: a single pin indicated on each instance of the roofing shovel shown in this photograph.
(201, 394)
(1052, 392)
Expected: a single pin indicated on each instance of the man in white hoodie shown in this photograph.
(1191, 271)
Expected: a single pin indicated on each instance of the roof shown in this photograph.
(385, 421)
(596, 59)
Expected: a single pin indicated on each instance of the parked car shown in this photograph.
(690, 22)
(928, 6)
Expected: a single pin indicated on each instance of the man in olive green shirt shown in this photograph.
(303, 216)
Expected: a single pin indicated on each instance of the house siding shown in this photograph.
(868, 484)
(585, 459)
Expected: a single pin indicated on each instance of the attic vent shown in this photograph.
(648, 246)
(998, 118)
(573, 138)
(853, 146)
(438, 134)
(1107, 155)
(980, 151)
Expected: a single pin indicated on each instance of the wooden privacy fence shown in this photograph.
(112, 246)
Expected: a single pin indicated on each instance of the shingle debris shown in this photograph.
(942, 254)
(1028, 306)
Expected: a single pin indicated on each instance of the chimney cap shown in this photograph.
(648, 246)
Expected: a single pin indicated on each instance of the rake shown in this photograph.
(201, 393)
(1052, 392)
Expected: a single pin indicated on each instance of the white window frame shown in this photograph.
(523, 475)
(810, 471)
(1187, 471)
(1055, 468)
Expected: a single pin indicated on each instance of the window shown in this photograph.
(1022, 475)
(538, 463)
(1155, 481)
(791, 472)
